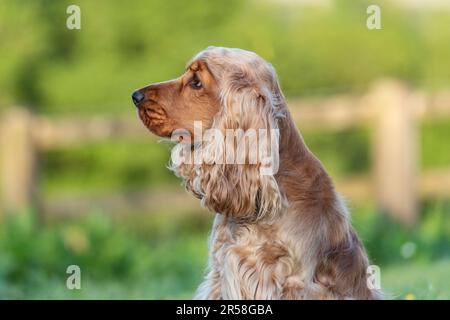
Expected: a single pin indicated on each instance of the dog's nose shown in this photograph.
(137, 97)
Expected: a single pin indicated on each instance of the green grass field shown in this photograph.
(163, 256)
(418, 280)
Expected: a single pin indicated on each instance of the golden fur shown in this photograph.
(280, 236)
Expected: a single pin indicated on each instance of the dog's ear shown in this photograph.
(244, 186)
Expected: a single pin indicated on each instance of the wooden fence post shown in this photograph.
(17, 161)
(394, 150)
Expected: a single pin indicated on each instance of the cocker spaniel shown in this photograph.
(279, 233)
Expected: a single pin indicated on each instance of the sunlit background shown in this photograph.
(82, 182)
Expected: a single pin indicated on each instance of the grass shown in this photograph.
(406, 281)
(161, 256)
(418, 280)
(117, 259)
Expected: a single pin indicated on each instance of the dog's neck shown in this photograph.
(292, 145)
(301, 175)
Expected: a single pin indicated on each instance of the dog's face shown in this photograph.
(177, 104)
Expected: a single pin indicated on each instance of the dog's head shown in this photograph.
(223, 89)
(213, 81)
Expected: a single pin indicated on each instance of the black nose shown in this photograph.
(137, 97)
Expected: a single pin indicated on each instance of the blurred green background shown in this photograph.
(318, 49)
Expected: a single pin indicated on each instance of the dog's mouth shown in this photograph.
(156, 120)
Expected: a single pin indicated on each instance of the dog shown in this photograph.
(281, 234)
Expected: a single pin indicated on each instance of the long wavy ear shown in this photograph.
(243, 186)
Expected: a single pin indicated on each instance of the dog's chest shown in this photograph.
(251, 261)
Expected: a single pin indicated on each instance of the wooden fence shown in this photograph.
(390, 109)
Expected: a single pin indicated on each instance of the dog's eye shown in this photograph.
(195, 82)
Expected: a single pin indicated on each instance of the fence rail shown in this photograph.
(390, 109)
